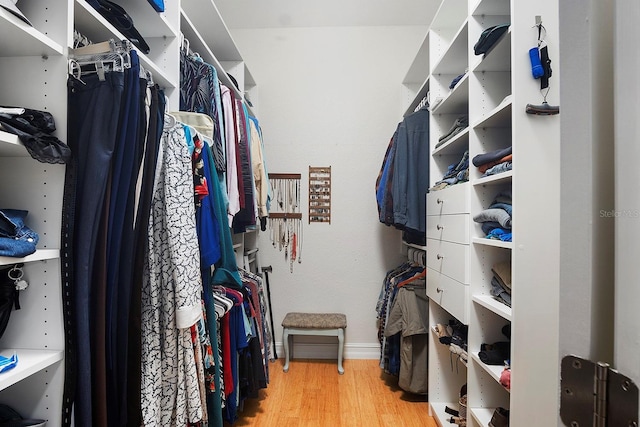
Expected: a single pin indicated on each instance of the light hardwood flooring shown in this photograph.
(313, 394)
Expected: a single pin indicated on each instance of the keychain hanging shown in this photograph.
(541, 69)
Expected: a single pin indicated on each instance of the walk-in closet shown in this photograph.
(347, 213)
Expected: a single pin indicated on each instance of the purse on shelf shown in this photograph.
(119, 18)
(10, 278)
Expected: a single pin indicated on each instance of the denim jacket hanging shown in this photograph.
(16, 239)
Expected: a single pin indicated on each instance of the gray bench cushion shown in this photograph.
(315, 321)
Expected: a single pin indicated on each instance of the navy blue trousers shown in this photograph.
(93, 117)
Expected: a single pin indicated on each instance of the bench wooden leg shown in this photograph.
(340, 350)
(285, 343)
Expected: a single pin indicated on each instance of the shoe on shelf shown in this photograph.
(500, 418)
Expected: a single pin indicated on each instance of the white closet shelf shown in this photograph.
(19, 39)
(205, 15)
(97, 29)
(454, 60)
(493, 370)
(498, 58)
(446, 346)
(10, 146)
(491, 7)
(413, 245)
(199, 45)
(490, 303)
(420, 65)
(496, 179)
(39, 255)
(455, 145)
(29, 362)
(449, 16)
(438, 411)
(499, 117)
(482, 415)
(423, 89)
(492, 242)
(149, 23)
(457, 101)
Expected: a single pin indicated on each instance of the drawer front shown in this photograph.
(451, 228)
(451, 200)
(449, 294)
(450, 259)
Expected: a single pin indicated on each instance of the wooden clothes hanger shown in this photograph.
(419, 275)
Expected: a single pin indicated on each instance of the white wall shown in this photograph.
(331, 97)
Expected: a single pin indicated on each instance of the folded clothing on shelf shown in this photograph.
(457, 79)
(497, 219)
(34, 128)
(16, 239)
(489, 37)
(458, 126)
(456, 173)
(492, 156)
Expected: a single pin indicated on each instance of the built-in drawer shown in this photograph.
(449, 294)
(450, 259)
(451, 228)
(451, 200)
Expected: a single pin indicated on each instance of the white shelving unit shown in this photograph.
(33, 69)
(493, 94)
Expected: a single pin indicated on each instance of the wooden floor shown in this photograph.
(313, 394)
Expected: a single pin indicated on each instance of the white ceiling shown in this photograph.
(243, 14)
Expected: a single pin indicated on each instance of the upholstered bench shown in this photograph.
(324, 324)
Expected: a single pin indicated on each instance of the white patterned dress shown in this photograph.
(171, 293)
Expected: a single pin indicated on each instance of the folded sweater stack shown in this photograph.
(494, 162)
(501, 282)
(496, 220)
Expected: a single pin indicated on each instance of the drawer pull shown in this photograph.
(440, 256)
(439, 201)
(439, 290)
(439, 227)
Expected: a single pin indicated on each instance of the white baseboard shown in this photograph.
(306, 350)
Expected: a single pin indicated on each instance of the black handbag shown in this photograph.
(8, 295)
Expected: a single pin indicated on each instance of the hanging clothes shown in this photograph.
(246, 217)
(259, 172)
(390, 344)
(199, 93)
(409, 318)
(403, 180)
(171, 291)
(232, 181)
(93, 112)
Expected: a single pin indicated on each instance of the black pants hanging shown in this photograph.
(93, 117)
